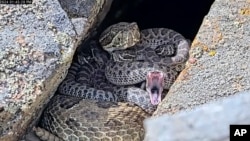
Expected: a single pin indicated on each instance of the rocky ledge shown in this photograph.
(37, 43)
(218, 68)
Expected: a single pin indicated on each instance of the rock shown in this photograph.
(221, 53)
(218, 67)
(208, 122)
(37, 43)
(80, 10)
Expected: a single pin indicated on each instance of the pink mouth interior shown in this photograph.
(154, 86)
(155, 98)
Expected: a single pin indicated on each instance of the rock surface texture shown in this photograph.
(218, 67)
(219, 59)
(37, 43)
(208, 122)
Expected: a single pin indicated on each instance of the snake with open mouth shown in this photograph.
(155, 54)
(99, 99)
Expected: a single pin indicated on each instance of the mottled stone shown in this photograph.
(223, 67)
(37, 43)
(219, 67)
(208, 122)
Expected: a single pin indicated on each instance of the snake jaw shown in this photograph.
(154, 86)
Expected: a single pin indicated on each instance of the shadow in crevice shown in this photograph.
(182, 16)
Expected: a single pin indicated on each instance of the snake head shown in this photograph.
(154, 86)
(120, 36)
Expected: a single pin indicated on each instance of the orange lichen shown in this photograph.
(217, 36)
(212, 53)
(184, 75)
(245, 11)
(198, 43)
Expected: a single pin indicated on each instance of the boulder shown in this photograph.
(210, 122)
(37, 44)
(219, 59)
(218, 68)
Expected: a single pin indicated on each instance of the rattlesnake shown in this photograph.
(162, 50)
(101, 117)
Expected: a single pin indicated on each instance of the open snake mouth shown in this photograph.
(154, 86)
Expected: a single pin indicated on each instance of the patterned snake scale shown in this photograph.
(99, 99)
(159, 50)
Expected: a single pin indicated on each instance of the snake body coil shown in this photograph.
(99, 99)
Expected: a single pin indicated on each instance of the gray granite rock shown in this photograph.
(37, 43)
(219, 63)
(80, 10)
(209, 122)
(218, 67)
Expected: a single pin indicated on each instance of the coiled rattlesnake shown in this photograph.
(159, 50)
(108, 110)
